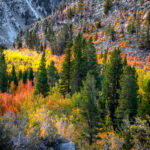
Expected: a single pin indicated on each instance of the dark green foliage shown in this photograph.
(20, 44)
(144, 35)
(2, 47)
(20, 75)
(45, 26)
(19, 39)
(42, 86)
(141, 2)
(131, 27)
(92, 64)
(137, 23)
(3, 74)
(27, 38)
(77, 64)
(70, 13)
(96, 37)
(25, 77)
(58, 44)
(127, 140)
(52, 74)
(85, 60)
(5, 141)
(32, 39)
(148, 18)
(31, 74)
(144, 39)
(105, 56)
(111, 32)
(65, 82)
(80, 6)
(41, 48)
(127, 104)
(88, 121)
(13, 76)
(50, 36)
(111, 83)
(39, 19)
(107, 6)
(125, 62)
(98, 25)
(91, 56)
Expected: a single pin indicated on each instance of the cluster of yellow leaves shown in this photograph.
(143, 77)
(26, 58)
(22, 59)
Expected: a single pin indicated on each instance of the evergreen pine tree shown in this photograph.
(20, 75)
(131, 27)
(52, 74)
(127, 104)
(92, 64)
(98, 24)
(88, 120)
(111, 83)
(80, 6)
(31, 75)
(107, 6)
(77, 64)
(105, 56)
(13, 76)
(65, 82)
(137, 23)
(27, 38)
(144, 36)
(141, 2)
(41, 48)
(111, 32)
(125, 62)
(25, 76)
(42, 86)
(148, 18)
(3, 74)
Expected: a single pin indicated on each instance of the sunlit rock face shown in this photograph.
(18, 14)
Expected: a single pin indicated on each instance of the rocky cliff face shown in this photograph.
(18, 14)
(120, 16)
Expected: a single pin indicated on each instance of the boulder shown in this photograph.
(67, 146)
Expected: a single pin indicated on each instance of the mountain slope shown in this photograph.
(16, 15)
(120, 16)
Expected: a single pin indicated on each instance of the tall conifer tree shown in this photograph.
(77, 64)
(65, 83)
(3, 74)
(13, 76)
(92, 64)
(127, 104)
(111, 83)
(88, 121)
(42, 86)
(20, 75)
(52, 74)
(30, 74)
